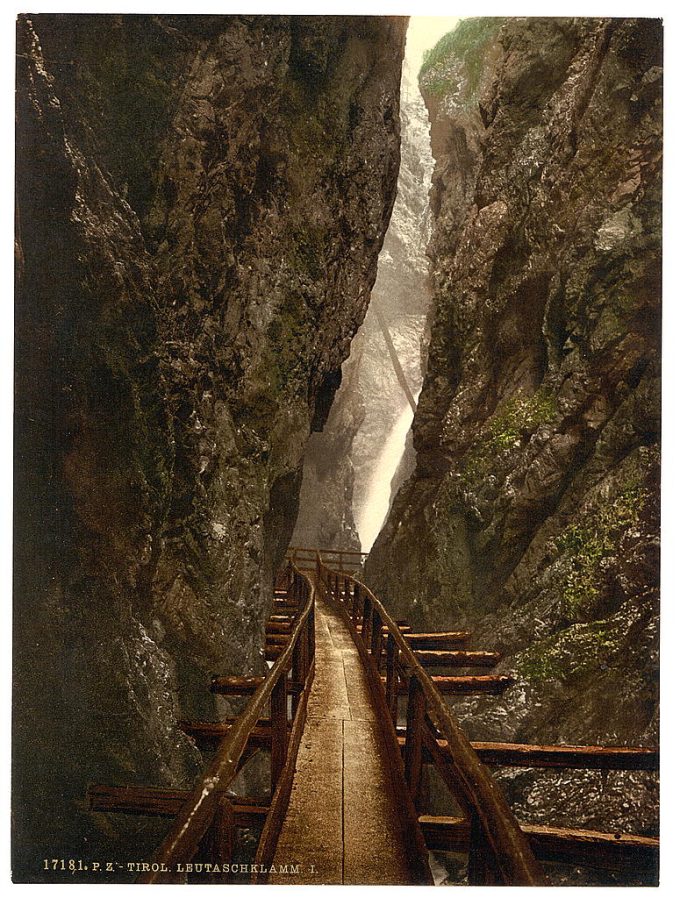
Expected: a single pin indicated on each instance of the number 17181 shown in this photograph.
(61, 863)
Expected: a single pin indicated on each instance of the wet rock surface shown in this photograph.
(532, 515)
(201, 202)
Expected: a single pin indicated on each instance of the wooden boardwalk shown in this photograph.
(338, 761)
(342, 824)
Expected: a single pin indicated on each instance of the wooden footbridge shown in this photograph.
(353, 720)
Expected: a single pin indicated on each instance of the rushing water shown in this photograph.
(371, 516)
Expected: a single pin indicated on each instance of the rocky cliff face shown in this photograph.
(200, 205)
(533, 512)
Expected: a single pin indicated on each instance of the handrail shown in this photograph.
(197, 814)
(351, 559)
(313, 551)
(493, 823)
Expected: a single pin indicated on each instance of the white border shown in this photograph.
(671, 336)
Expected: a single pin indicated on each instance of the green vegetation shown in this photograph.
(540, 662)
(261, 400)
(582, 650)
(320, 123)
(308, 252)
(466, 44)
(588, 542)
(515, 421)
(521, 416)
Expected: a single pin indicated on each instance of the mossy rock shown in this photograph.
(579, 651)
(509, 429)
(588, 542)
(456, 62)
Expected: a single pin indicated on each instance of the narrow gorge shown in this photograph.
(349, 467)
(247, 249)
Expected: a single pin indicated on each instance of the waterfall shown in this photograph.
(353, 467)
(373, 512)
(401, 288)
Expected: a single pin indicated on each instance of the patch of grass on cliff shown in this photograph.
(521, 416)
(261, 399)
(588, 542)
(288, 335)
(289, 330)
(465, 43)
(516, 420)
(539, 664)
(582, 650)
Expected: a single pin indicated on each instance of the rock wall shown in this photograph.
(201, 201)
(532, 515)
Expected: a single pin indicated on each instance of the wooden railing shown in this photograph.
(499, 850)
(426, 740)
(205, 820)
(343, 560)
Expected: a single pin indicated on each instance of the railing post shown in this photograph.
(366, 620)
(217, 845)
(413, 751)
(356, 599)
(346, 594)
(224, 831)
(376, 637)
(299, 669)
(481, 864)
(391, 694)
(311, 637)
(279, 723)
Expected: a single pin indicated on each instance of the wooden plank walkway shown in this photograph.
(342, 824)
